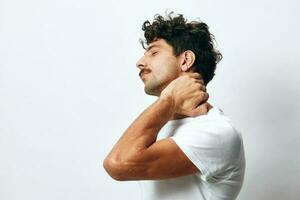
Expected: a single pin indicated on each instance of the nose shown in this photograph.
(141, 63)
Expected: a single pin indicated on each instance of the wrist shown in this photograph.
(169, 101)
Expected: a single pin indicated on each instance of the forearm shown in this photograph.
(142, 133)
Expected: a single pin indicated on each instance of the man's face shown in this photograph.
(158, 67)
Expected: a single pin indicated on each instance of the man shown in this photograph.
(180, 147)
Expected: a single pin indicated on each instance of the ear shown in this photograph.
(187, 60)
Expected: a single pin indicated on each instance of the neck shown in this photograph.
(206, 107)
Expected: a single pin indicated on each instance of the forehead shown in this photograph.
(159, 43)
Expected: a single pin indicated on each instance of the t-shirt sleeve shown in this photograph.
(213, 149)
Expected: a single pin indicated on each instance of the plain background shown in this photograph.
(69, 88)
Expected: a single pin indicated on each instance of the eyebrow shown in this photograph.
(152, 46)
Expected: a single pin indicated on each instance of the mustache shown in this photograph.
(144, 71)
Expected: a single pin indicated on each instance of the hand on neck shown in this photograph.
(203, 110)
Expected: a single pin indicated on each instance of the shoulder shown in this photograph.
(217, 131)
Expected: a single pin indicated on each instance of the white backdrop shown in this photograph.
(69, 88)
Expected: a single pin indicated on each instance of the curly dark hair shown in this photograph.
(182, 36)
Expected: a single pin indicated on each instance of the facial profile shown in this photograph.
(158, 67)
(169, 41)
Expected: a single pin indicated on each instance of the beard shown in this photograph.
(154, 87)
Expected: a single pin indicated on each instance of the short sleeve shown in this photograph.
(213, 148)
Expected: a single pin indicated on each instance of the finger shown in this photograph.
(197, 111)
(201, 87)
(206, 97)
(201, 81)
(203, 97)
(196, 75)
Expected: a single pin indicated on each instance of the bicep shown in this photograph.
(162, 160)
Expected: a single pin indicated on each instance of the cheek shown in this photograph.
(165, 68)
(165, 75)
(171, 70)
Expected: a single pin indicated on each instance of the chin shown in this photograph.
(151, 92)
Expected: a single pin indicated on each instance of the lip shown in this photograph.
(143, 75)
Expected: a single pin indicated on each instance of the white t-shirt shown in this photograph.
(215, 146)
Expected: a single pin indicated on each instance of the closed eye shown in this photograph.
(154, 53)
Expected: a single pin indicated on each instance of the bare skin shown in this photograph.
(206, 107)
(181, 93)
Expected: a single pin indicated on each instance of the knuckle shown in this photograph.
(198, 85)
(199, 94)
(204, 95)
(207, 95)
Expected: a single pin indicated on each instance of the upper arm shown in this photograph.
(163, 159)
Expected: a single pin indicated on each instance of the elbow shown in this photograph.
(114, 169)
